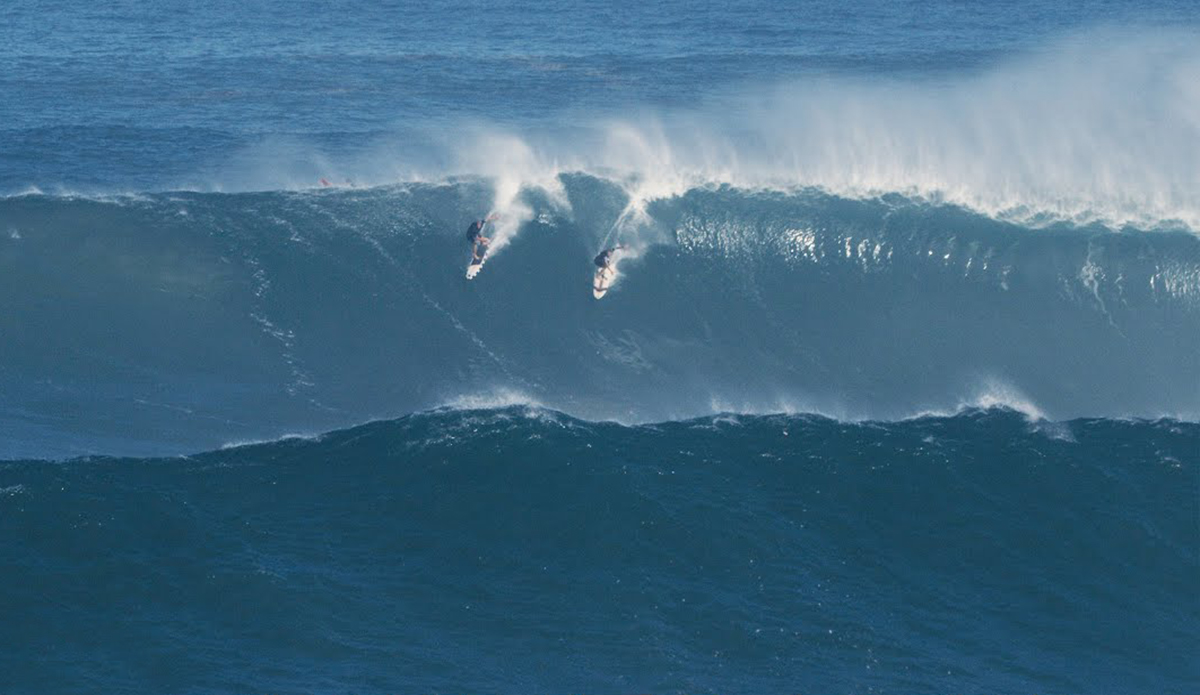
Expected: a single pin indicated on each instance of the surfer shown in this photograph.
(479, 242)
(605, 259)
(607, 273)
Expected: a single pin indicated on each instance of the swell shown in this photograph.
(751, 554)
(176, 322)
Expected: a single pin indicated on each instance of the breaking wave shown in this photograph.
(175, 322)
(1099, 127)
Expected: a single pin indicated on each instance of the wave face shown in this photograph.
(520, 550)
(178, 322)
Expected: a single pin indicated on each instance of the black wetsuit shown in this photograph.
(603, 259)
(475, 231)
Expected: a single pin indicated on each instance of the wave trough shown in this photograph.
(748, 554)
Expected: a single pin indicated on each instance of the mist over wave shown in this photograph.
(1098, 127)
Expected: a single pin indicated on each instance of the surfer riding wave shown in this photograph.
(605, 258)
(606, 262)
(479, 242)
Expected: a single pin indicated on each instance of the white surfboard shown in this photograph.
(603, 280)
(475, 266)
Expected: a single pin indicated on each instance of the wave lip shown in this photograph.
(1097, 128)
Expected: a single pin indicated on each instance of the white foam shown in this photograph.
(291, 437)
(998, 395)
(989, 393)
(492, 399)
(512, 166)
(1101, 128)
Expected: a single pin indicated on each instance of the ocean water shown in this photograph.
(897, 390)
(520, 550)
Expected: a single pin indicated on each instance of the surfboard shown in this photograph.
(475, 266)
(603, 280)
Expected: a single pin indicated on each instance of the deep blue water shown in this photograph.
(524, 551)
(896, 391)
